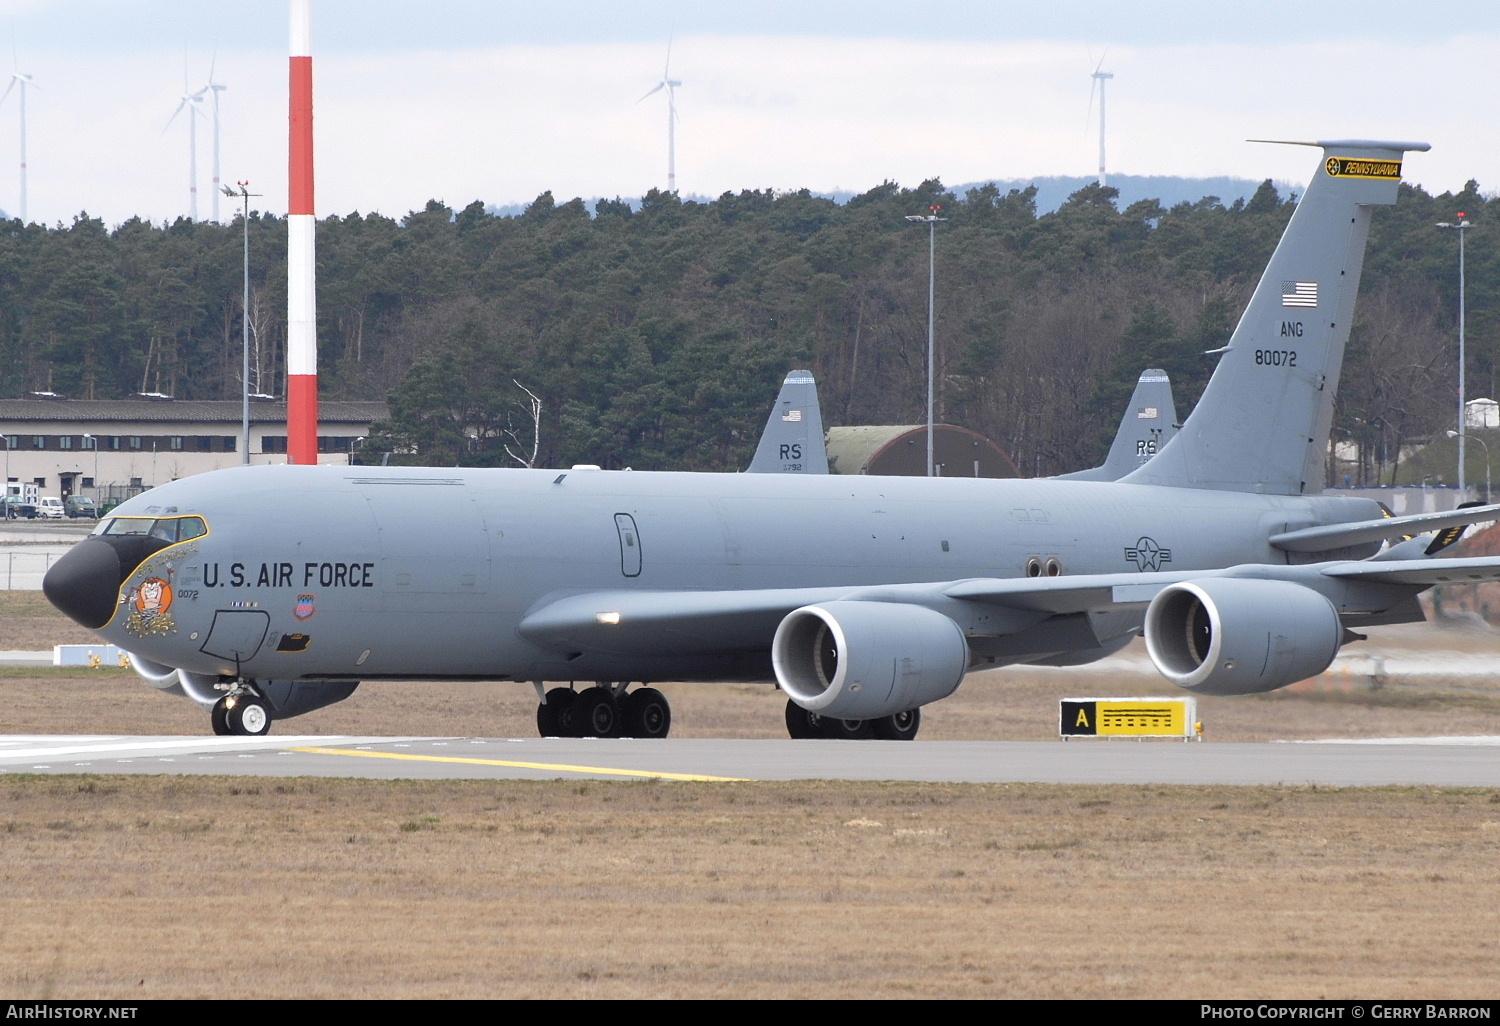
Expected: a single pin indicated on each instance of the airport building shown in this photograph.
(110, 449)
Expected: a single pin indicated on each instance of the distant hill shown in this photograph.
(1051, 191)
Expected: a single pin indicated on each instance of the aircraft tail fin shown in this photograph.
(793, 440)
(1263, 422)
(1149, 422)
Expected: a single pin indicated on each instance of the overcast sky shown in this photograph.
(461, 100)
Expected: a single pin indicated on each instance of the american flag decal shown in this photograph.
(792, 415)
(1299, 293)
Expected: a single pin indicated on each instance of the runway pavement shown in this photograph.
(1446, 762)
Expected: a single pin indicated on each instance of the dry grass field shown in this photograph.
(209, 888)
(156, 887)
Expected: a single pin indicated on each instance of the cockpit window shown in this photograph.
(130, 525)
(166, 529)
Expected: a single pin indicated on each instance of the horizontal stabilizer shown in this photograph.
(1338, 536)
(1354, 144)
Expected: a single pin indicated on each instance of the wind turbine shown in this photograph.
(215, 88)
(670, 84)
(25, 82)
(1100, 78)
(190, 102)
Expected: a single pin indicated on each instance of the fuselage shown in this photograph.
(390, 573)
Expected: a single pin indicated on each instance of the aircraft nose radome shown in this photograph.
(85, 583)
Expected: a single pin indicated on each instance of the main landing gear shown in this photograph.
(604, 710)
(241, 712)
(803, 724)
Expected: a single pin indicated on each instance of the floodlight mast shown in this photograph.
(930, 219)
(1461, 226)
(1460, 435)
(244, 193)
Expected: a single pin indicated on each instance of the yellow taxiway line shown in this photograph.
(557, 767)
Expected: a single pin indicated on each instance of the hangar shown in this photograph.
(901, 450)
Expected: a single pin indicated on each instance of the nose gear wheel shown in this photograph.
(241, 713)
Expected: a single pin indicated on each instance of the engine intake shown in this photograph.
(864, 660)
(1231, 636)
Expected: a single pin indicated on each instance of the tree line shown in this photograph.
(656, 337)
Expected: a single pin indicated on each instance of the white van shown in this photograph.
(49, 507)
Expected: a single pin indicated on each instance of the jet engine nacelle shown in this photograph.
(287, 698)
(865, 660)
(1231, 636)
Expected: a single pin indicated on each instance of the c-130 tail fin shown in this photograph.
(1149, 423)
(1263, 422)
(792, 442)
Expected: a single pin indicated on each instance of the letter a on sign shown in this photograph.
(1077, 717)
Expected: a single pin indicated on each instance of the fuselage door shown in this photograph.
(237, 634)
(630, 545)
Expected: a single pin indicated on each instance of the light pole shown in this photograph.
(930, 219)
(1460, 436)
(8, 512)
(244, 194)
(94, 445)
(1462, 420)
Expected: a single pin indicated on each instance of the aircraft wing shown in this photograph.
(642, 622)
(1421, 572)
(634, 621)
(682, 621)
(1071, 594)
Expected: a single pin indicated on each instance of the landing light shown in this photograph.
(609, 618)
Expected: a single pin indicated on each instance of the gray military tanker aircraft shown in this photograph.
(264, 592)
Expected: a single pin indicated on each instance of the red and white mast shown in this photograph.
(301, 286)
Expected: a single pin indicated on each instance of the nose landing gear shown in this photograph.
(242, 713)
